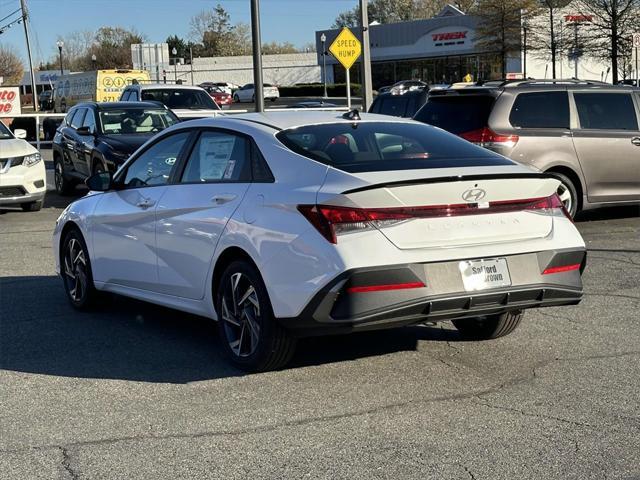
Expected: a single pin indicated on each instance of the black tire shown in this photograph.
(273, 99)
(568, 193)
(75, 270)
(492, 326)
(267, 345)
(32, 206)
(236, 99)
(253, 99)
(63, 185)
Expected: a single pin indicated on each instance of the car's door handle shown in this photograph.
(223, 198)
(145, 203)
(636, 141)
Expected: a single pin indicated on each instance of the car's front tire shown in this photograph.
(236, 99)
(32, 206)
(251, 337)
(75, 268)
(488, 327)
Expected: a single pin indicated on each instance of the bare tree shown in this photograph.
(76, 46)
(543, 34)
(609, 34)
(11, 67)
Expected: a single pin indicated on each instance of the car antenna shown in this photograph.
(352, 114)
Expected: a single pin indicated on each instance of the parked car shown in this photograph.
(247, 93)
(585, 133)
(96, 137)
(186, 101)
(226, 87)
(403, 86)
(381, 222)
(22, 172)
(404, 105)
(633, 82)
(45, 99)
(222, 98)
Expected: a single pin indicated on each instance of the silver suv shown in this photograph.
(586, 133)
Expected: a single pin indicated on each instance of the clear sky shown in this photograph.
(294, 21)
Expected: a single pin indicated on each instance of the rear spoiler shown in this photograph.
(455, 178)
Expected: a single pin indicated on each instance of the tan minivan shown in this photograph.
(586, 133)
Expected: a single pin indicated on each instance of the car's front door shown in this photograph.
(194, 212)
(124, 221)
(85, 142)
(608, 145)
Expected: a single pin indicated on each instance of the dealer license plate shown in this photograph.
(485, 274)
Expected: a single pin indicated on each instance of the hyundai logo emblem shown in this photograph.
(474, 195)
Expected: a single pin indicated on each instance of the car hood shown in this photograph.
(15, 147)
(126, 143)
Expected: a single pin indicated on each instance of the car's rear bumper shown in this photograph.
(336, 310)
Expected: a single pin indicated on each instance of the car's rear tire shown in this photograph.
(32, 206)
(488, 327)
(63, 185)
(236, 99)
(75, 269)
(568, 193)
(251, 337)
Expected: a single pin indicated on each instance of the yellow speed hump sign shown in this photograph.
(346, 48)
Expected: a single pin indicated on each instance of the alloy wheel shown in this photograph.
(564, 192)
(240, 312)
(58, 176)
(75, 270)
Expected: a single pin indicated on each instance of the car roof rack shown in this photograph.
(551, 81)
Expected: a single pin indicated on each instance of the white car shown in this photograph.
(23, 180)
(285, 224)
(186, 101)
(247, 93)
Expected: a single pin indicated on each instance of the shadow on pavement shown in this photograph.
(609, 213)
(125, 339)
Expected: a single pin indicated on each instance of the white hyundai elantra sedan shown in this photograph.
(286, 224)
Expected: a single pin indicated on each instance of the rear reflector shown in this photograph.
(563, 268)
(331, 221)
(382, 288)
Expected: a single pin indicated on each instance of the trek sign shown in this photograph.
(346, 48)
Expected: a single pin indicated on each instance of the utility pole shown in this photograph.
(367, 91)
(257, 56)
(191, 61)
(25, 21)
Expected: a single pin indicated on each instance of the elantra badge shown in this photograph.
(474, 195)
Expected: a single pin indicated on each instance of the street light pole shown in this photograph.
(175, 64)
(94, 61)
(60, 45)
(323, 40)
(367, 90)
(257, 56)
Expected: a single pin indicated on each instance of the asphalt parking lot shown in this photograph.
(137, 391)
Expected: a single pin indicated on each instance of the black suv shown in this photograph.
(400, 105)
(96, 137)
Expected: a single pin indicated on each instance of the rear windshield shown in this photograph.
(181, 99)
(385, 146)
(457, 114)
(396, 105)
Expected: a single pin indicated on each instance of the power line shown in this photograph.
(12, 13)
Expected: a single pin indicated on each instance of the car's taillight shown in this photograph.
(485, 137)
(561, 269)
(332, 221)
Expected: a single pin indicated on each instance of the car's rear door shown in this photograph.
(72, 141)
(124, 221)
(194, 212)
(608, 144)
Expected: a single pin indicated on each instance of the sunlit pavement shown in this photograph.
(136, 391)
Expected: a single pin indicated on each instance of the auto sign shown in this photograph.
(10, 100)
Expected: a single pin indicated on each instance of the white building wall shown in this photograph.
(284, 69)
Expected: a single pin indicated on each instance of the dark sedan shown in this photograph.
(96, 137)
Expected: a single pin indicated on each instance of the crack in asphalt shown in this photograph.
(66, 463)
(535, 415)
(607, 294)
(327, 418)
(471, 475)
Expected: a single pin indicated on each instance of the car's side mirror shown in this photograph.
(20, 133)
(84, 131)
(100, 182)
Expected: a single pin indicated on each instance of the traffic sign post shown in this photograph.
(346, 48)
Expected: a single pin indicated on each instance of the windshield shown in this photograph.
(136, 120)
(181, 98)
(4, 132)
(382, 146)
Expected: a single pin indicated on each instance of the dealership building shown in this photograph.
(443, 49)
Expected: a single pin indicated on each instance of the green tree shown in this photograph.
(275, 48)
(179, 44)
(500, 26)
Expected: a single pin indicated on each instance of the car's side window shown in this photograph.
(90, 121)
(606, 111)
(126, 96)
(78, 118)
(218, 157)
(154, 165)
(540, 110)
